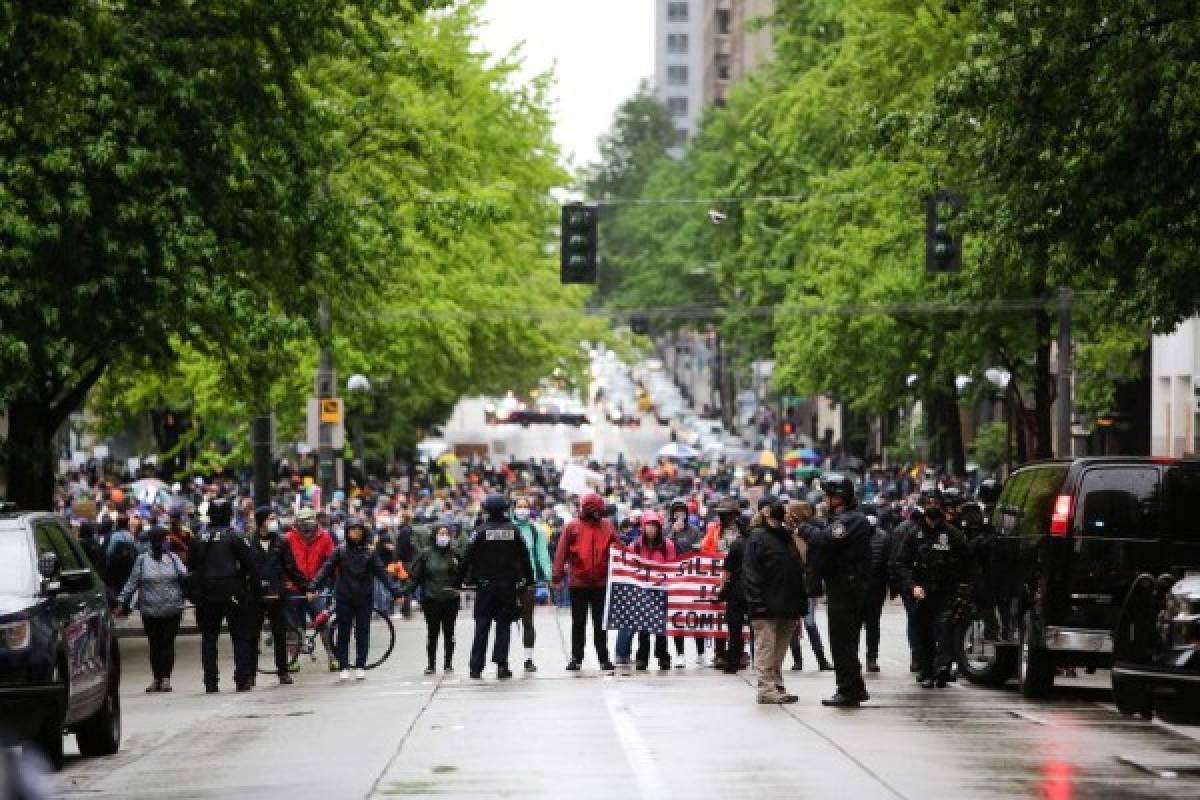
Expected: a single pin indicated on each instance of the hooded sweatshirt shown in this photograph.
(584, 546)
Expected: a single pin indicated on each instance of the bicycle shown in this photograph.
(303, 641)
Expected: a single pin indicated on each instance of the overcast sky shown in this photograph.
(599, 49)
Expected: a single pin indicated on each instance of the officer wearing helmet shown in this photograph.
(226, 584)
(844, 559)
(498, 563)
(932, 566)
(929, 495)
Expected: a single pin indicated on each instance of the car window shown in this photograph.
(50, 539)
(17, 571)
(1180, 521)
(1038, 502)
(1007, 513)
(1119, 503)
(72, 540)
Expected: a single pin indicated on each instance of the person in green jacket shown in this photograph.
(436, 572)
(539, 555)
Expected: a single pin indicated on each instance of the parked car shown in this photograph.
(60, 665)
(1067, 540)
(1156, 652)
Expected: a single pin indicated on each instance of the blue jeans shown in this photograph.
(359, 617)
(624, 644)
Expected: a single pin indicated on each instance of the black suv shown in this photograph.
(60, 669)
(1068, 540)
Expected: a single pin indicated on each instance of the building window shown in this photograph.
(678, 106)
(681, 137)
(677, 12)
(677, 74)
(719, 101)
(677, 42)
(724, 21)
(721, 63)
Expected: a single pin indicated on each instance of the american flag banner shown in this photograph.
(675, 598)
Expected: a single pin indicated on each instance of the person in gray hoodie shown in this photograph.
(157, 578)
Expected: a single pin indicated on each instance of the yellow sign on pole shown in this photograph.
(331, 410)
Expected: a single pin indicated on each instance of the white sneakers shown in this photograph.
(680, 661)
(344, 675)
(360, 674)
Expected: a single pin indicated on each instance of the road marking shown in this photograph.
(641, 761)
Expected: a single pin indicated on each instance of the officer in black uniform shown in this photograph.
(498, 563)
(932, 566)
(844, 557)
(227, 589)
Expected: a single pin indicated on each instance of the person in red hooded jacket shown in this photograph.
(584, 547)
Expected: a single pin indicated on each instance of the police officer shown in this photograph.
(932, 565)
(844, 559)
(929, 493)
(498, 563)
(227, 589)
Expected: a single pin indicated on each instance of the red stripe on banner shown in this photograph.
(690, 583)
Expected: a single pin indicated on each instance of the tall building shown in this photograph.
(736, 43)
(679, 63)
(701, 48)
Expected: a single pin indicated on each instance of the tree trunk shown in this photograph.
(1043, 429)
(31, 457)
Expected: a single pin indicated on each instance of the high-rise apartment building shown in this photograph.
(679, 63)
(703, 47)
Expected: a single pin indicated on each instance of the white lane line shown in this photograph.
(641, 761)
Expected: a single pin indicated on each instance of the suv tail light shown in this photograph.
(1061, 519)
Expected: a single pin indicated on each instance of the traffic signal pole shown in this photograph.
(326, 387)
(1064, 401)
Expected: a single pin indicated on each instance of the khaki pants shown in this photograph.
(771, 640)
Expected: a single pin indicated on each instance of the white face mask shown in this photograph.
(442, 540)
(521, 513)
(273, 526)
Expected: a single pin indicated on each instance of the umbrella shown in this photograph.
(809, 472)
(678, 450)
(148, 490)
(767, 459)
(808, 454)
(792, 458)
(447, 458)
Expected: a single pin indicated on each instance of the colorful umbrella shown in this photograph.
(767, 459)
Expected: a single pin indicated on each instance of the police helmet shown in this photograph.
(679, 504)
(930, 493)
(988, 492)
(220, 512)
(952, 497)
(835, 484)
(495, 504)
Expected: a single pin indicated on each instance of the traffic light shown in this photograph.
(640, 324)
(943, 250)
(579, 233)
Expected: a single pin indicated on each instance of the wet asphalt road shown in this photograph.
(691, 733)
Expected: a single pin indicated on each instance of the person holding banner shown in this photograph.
(687, 539)
(584, 546)
(653, 545)
(773, 585)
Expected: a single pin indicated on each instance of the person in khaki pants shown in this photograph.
(773, 583)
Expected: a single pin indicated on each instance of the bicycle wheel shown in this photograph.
(266, 649)
(383, 639)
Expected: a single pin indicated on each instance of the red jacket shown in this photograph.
(310, 556)
(584, 547)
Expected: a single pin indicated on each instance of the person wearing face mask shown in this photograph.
(158, 580)
(352, 568)
(435, 573)
(688, 539)
(843, 555)
(273, 559)
(311, 546)
(539, 557)
(584, 546)
(773, 587)
(652, 545)
(932, 564)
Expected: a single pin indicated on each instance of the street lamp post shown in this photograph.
(358, 386)
(1000, 379)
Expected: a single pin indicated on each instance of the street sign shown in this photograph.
(331, 410)
(312, 432)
